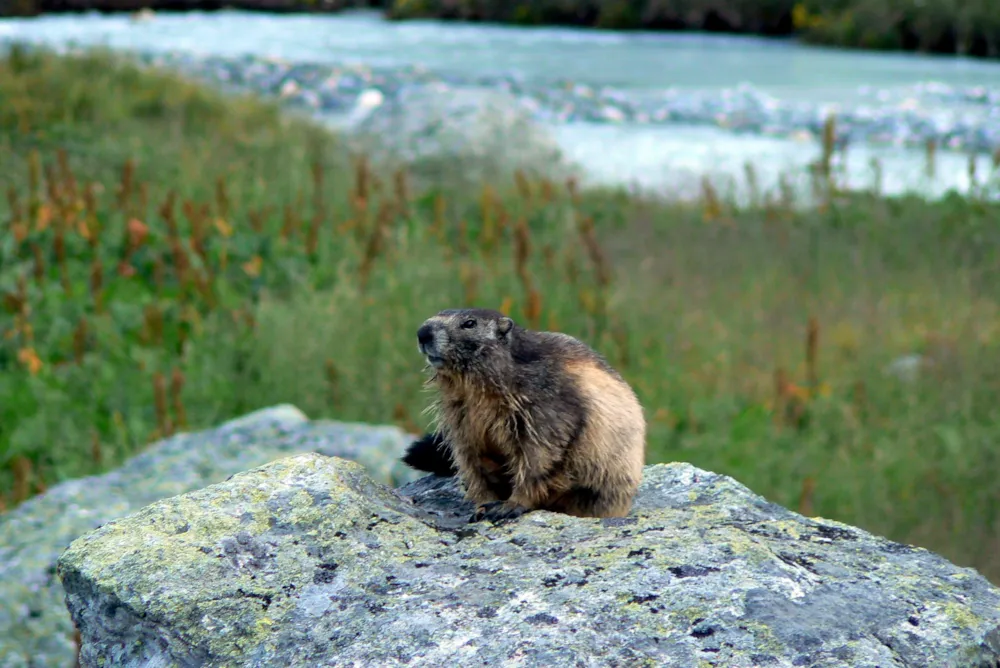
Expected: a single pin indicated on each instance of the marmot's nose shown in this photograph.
(425, 335)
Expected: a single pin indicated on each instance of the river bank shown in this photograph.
(939, 26)
(658, 111)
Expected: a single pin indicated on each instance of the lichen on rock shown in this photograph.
(308, 561)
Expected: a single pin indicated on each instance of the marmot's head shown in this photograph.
(457, 341)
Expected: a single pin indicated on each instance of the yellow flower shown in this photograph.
(44, 217)
(224, 228)
(253, 267)
(29, 358)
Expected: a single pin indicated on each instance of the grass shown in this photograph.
(170, 258)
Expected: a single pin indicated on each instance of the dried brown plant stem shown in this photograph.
(332, 382)
(126, 186)
(21, 467)
(176, 396)
(164, 427)
(402, 192)
(97, 284)
(376, 244)
(602, 266)
(319, 210)
(806, 496)
(812, 354)
(80, 341)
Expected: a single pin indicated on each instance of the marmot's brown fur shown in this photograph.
(528, 420)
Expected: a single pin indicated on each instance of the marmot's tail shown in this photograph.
(430, 453)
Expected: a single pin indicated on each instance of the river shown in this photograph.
(655, 110)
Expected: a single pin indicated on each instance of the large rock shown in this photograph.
(307, 561)
(462, 135)
(35, 628)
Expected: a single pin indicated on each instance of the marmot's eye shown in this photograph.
(468, 324)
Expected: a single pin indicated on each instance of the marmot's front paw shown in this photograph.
(497, 511)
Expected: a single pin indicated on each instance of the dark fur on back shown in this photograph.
(515, 416)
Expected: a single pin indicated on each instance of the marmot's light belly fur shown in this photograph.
(529, 420)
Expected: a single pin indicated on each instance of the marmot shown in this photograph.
(528, 420)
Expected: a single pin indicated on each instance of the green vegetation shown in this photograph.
(170, 258)
(971, 27)
(936, 26)
(968, 28)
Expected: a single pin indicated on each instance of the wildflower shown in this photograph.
(29, 358)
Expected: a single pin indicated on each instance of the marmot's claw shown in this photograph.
(497, 511)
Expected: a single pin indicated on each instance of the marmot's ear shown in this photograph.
(504, 325)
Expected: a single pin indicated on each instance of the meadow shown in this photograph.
(171, 258)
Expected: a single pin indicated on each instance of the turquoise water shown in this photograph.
(718, 71)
